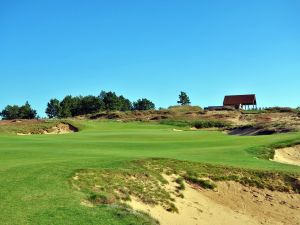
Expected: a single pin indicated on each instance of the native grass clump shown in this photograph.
(107, 187)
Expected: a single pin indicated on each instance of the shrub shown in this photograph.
(197, 124)
(209, 124)
(180, 181)
(172, 208)
(280, 109)
(102, 198)
(178, 123)
(143, 104)
(206, 184)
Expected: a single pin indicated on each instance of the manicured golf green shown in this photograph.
(35, 170)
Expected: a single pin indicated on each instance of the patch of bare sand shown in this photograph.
(177, 130)
(289, 155)
(264, 206)
(21, 134)
(231, 204)
(61, 128)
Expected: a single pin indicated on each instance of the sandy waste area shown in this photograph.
(230, 204)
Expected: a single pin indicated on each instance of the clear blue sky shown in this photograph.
(153, 49)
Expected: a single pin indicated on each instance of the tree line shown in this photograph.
(12, 112)
(81, 105)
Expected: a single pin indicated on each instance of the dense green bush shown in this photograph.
(197, 124)
(143, 104)
(178, 123)
(209, 123)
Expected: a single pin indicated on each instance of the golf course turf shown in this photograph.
(35, 170)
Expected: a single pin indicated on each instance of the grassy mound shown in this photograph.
(142, 179)
(114, 186)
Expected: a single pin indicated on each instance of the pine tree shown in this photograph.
(184, 99)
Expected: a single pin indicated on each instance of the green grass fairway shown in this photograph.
(35, 170)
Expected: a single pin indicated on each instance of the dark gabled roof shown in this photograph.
(240, 99)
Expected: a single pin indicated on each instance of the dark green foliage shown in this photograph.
(53, 108)
(178, 123)
(67, 106)
(18, 112)
(143, 104)
(82, 105)
(111, 101)
(125, 104)
(197, 124)
(73, 106)
(89, 104)
(184, 99)
(10, 112)
(209, 123)
(26, 112)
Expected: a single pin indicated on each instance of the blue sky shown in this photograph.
(151, 49)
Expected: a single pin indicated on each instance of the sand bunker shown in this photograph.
(231, 204)
(289, 155)
(61, 128)
(21, 134)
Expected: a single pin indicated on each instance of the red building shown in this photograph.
(240, 101)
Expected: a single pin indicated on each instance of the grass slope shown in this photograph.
(35, 170)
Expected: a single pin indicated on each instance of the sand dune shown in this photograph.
(230, 204)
